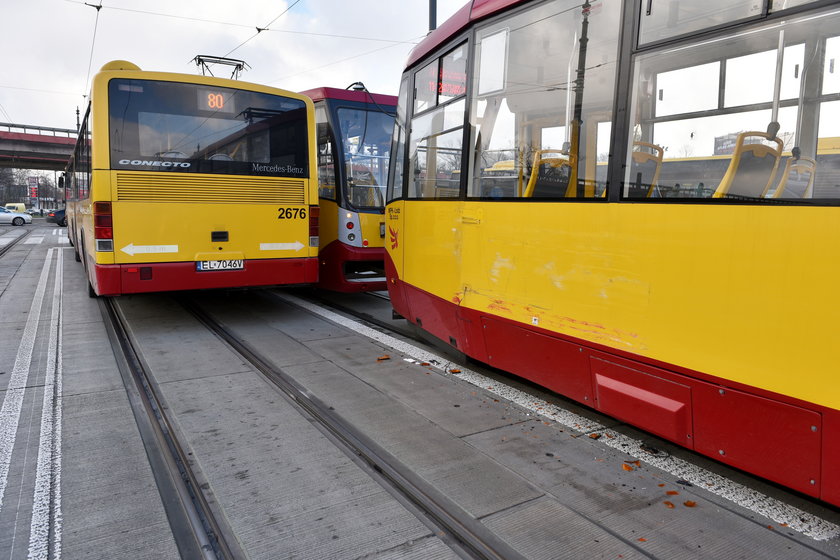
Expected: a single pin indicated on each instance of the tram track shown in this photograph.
(8, 247)
(464, 534)
(195, 527)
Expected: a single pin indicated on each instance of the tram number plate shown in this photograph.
(236, 264)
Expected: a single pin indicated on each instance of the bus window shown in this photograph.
(737, 118)
(541, 100)
(188, 128)
(662, 19)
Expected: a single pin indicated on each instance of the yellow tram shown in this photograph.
(636, 207)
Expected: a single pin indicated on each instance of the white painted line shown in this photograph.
(808, 524)
(296, 246)
(10, 412)
(133, 249)
(46, 503)
(34, 240)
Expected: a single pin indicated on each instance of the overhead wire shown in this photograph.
(161, 14)
(338, 61)
(53, 91)
(241, 25)
(92, 44)
(261, 29)
(8, 118)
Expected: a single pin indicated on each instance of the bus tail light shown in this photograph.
(103, 226)
(314, 216)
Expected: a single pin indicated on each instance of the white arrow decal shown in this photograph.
(133, 249)
(296, 246)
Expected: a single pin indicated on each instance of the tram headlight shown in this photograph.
(351, 236)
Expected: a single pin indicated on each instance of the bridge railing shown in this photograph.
(44, 130)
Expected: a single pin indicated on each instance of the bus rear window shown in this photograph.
(178, 127)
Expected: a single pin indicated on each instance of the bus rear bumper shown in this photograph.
(114, 280)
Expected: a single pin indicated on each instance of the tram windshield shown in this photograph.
(169, 126)
(365, 137)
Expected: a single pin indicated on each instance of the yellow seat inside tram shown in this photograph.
(800, 171)
(551, 176)
(753, 165)
(645, 166)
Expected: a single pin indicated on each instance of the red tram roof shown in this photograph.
(319, 94)
(471, 12)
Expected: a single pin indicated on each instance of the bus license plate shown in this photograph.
(236, 264)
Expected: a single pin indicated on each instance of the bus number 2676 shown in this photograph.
(291, 213)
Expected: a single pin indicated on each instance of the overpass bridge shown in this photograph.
(35, 147)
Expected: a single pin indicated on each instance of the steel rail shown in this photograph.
(195, 528)
(465, 534)
(6, 248)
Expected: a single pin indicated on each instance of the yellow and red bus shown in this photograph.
(354, 142)
(183, 182)
(635, 204)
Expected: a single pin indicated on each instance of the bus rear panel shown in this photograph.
(201, 183)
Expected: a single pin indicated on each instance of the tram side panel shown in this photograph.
(644, 322)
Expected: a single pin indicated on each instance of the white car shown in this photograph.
(14, 218)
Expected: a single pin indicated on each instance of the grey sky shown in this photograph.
(46, 45)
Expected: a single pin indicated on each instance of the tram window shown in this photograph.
(663, 19)
(778, 5)
(366, 139)
(768, 136)
(491, 71)
(442, 80)
(539, 104)
(831, 67)
(435, 144)
(326, 160)
(425, 87)
(435, 152)
(453, 74)
(688, 89)
(751, 78)
(395, 182)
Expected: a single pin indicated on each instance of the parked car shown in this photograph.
(57, 217)
(14, 218)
